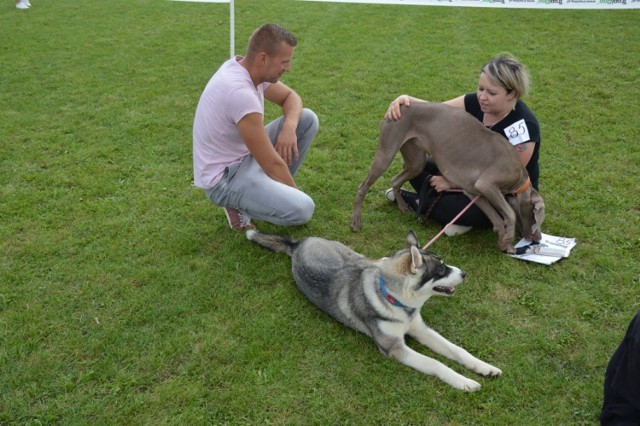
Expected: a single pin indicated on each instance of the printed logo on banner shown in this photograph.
(532, 4)
(624, 2)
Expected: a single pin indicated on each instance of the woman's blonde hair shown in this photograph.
(509, 73)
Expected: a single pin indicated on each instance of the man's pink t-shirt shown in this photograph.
(228, 97)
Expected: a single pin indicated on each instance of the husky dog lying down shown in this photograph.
(381, 298)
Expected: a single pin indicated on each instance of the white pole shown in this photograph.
(232, 32)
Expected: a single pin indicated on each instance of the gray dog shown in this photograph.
(469, 156)
(381, 298)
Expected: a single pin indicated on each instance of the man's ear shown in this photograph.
(261, 57)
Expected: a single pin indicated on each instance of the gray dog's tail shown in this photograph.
(277, 243)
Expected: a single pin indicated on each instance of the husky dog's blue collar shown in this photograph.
(391, 299)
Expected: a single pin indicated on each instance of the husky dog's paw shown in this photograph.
(469, 385)
(461, 382)
(486, 370)
(494, 372)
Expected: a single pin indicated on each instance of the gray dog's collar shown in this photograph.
(522, 188)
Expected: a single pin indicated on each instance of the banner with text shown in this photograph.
(524, 4)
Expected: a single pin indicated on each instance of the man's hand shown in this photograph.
(287, 145)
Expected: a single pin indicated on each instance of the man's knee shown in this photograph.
(309, 121)
(303, 212)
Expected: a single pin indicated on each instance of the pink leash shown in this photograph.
(451, 223)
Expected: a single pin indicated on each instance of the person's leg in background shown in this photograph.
(621, 404)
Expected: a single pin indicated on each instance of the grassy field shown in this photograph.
(125, 298)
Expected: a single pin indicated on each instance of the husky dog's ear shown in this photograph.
(412, 239)
(416, 259)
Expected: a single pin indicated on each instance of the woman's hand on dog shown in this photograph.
(393, 112)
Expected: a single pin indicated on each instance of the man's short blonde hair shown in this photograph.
(269, 38)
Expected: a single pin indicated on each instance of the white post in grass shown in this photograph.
(232, 32)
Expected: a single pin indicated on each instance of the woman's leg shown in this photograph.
(449, 204)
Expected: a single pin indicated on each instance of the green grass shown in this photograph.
(125, 299)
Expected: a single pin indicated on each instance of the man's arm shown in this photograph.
(287, 143)
(254, 135)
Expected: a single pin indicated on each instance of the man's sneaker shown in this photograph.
(411, 198)
(22, 5)
(238, 220)
(454, 230)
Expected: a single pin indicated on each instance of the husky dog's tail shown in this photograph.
(277, 243)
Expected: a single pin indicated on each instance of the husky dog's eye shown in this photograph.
(442, 269)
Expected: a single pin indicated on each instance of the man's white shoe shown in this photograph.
(22, 5)
(454, 230)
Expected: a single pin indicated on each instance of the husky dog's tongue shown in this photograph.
(442, 289)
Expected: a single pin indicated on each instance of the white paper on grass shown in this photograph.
(550, 249)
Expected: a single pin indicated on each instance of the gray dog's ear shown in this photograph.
(412, 239)
(538, 211)
(538, 207)
(416, 259)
